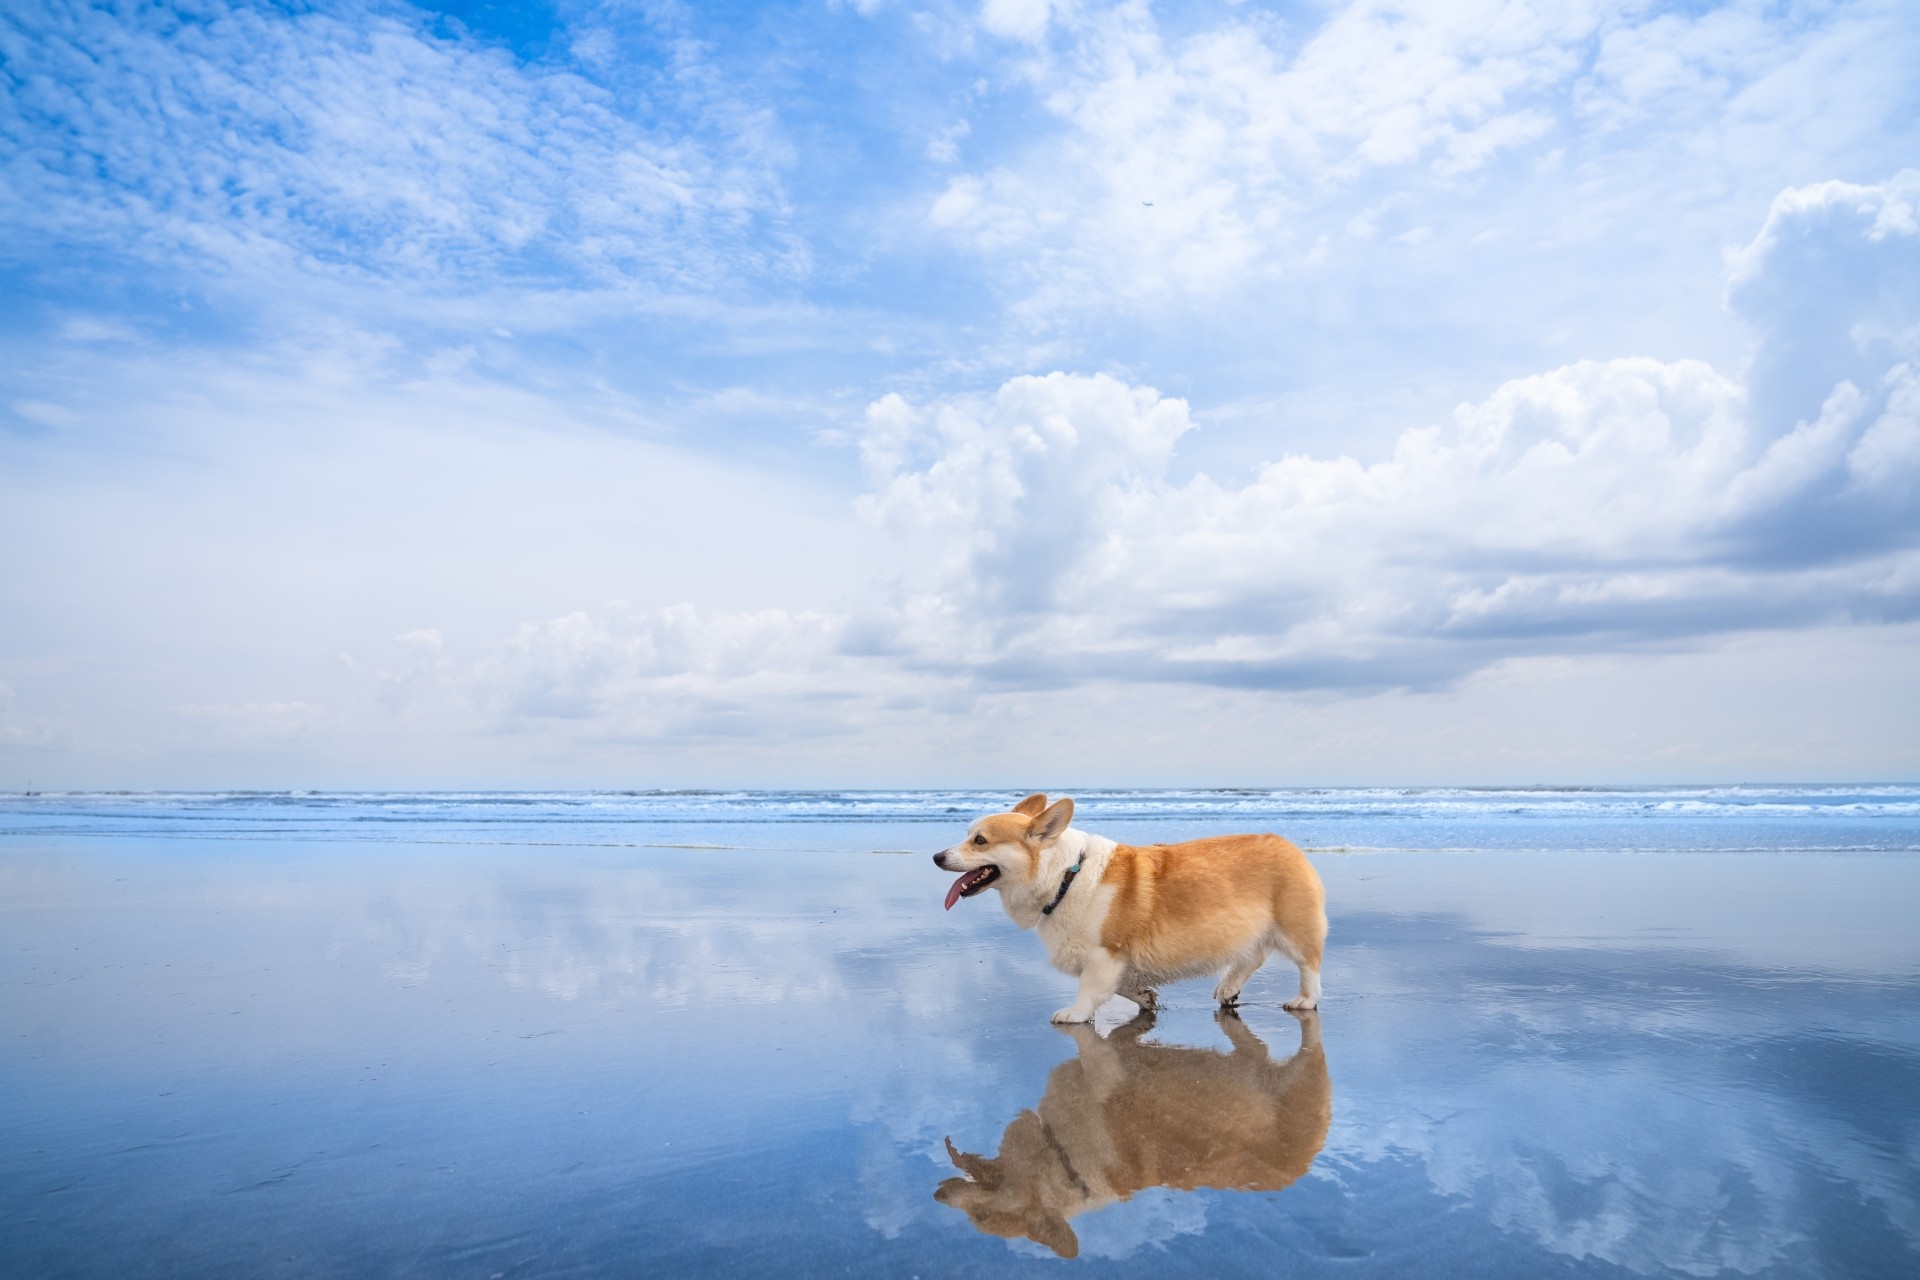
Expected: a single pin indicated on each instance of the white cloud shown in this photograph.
(1039, 538)
(1830, 282)
(677, 671)
(944, 146)
(1018, 19)
(1885, 462)
(1605, 503)
(1005, 499)
(357, 144)
(238, 524)
(1188, 164)
(1185, 160)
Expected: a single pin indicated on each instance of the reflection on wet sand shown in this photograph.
(1127, 1115)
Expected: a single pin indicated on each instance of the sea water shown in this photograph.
(1633, 1032)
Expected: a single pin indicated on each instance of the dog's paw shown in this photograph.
(1071, 1014)
(1300, 1004)
(1147, 1000)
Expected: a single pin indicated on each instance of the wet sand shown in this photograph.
(251, 1056)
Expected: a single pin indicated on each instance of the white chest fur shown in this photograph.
(1072, 931)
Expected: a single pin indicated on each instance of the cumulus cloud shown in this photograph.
(1829, 284)
(1007, 489)
(1038, 536)
(1599, 505)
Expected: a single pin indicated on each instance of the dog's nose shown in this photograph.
(940, 859)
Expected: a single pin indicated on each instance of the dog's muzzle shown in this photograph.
(971, 882)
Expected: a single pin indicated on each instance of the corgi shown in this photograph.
(1126, 918)
(1128, 1114)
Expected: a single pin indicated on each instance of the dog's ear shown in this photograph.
(1051, 1230)
(1051, 822)
(979, 1168)
(1032, 804)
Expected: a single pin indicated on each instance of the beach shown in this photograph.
(1597, 1033)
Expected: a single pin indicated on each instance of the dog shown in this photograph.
(1126, 1115)
(1126, 918)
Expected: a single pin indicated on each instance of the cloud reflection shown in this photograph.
(1535, 1075)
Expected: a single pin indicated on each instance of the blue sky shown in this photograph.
(889, 393)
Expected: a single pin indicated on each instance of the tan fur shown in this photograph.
(1126, 1115)
(1136, 916)
(1179, 908)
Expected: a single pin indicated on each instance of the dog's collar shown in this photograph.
(1066, 1161)
(1066, 883)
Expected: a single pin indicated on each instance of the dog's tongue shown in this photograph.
(953, 893)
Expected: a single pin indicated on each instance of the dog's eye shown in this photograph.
(979, 839)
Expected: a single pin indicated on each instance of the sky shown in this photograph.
(1026, 393)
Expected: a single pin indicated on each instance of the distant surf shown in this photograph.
(1879, 817)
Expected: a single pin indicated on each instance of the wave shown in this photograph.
(1832, 818)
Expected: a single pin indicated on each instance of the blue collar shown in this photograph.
(1066, 883)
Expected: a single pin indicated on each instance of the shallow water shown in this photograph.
(520, 1036)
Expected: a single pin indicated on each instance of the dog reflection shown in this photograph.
(1126, 1115)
